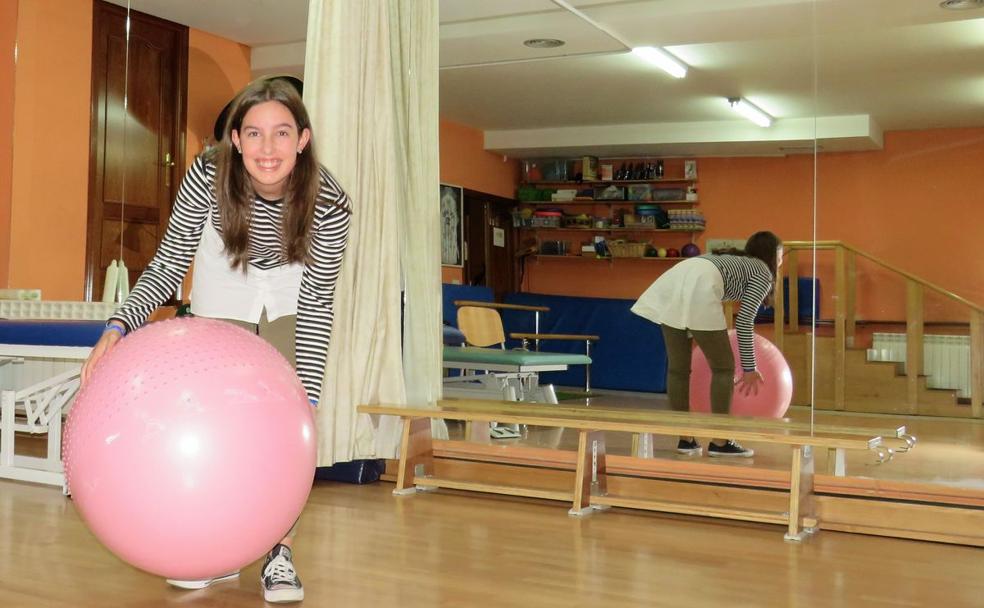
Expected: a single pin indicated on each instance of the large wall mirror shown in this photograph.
(900, 336)
(868, 170)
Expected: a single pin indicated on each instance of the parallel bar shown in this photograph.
(913, 343)
(851, 297)
(792, 271)
(976, 363)
(840, 339)
(779, 311)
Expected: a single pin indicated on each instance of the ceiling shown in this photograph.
(844, 71)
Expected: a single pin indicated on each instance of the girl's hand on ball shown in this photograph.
(106, 342)
(749, 383)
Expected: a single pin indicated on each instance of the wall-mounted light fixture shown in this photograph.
(661, 59)
(750, 112)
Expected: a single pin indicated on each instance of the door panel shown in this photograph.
(132, 177)
(487, 263)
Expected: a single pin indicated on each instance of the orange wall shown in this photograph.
(918, 205)
(737, 196)
(51, 144)
(51, 137)
(8, 38)
(915, 204)
(217, 69)
(466, 163)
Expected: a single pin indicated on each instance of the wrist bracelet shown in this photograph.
(114, 327)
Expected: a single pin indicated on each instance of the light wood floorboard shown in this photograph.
(360, 546)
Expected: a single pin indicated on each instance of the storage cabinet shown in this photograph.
(638, 219)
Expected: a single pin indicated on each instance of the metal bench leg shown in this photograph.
(802, 520)
(642, 445)
(416, 454)
(587, 367)
(836, 462)
(590, 477)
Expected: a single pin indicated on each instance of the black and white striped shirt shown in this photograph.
(749, 280)
(195, 203)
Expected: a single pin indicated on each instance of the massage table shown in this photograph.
(40, 362)
(510, 375)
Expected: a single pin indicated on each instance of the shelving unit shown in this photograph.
(604, 212)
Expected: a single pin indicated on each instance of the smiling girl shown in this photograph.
(266, 226)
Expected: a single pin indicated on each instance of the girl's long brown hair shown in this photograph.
(234, 190)
(763, 245)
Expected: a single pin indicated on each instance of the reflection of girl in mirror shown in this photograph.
(450, 252)
(255, 211)
(686, 301)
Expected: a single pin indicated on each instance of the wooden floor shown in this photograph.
(360, 546)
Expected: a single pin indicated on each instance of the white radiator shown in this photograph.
(946, 359)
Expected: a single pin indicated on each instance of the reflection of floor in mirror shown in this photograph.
(949, 451)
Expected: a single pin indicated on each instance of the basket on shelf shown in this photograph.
(623, 249)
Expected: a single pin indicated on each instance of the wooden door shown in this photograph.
(491, 259)
(137, 154)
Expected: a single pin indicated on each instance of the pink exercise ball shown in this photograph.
(774, 394)
(191, 450)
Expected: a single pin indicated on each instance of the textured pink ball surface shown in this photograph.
(774, 394)
(191, 450)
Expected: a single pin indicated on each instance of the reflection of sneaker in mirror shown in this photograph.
(690, 447)
(503, 432)
(730, 448)
(202, 583)
(280, 580)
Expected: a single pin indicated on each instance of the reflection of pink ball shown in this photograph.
(774, 394)
(191, 450)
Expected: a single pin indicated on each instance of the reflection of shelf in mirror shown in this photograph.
(614, 182)
(603, 259)
(584, 229)
(596, 201)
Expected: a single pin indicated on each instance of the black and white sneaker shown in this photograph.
(201, 583)
(729, 449)
(690, 447)
(280, 581)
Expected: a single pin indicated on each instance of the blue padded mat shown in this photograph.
(630, 355)
(51, 333)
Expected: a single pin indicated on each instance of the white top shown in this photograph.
(221, 292)
(687, 296)
(194, 232)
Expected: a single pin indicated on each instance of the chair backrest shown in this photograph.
(481, 326)
(450, 293)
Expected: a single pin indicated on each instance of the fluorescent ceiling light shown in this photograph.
(750, 112)
(661, 59)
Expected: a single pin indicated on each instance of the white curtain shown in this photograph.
(370, 84)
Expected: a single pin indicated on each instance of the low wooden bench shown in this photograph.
(589, 489)
(896, 439)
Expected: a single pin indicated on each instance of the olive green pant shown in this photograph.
(280, 334)
(717, 351)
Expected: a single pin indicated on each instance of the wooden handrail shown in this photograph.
(845, 276)
(809, 245)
